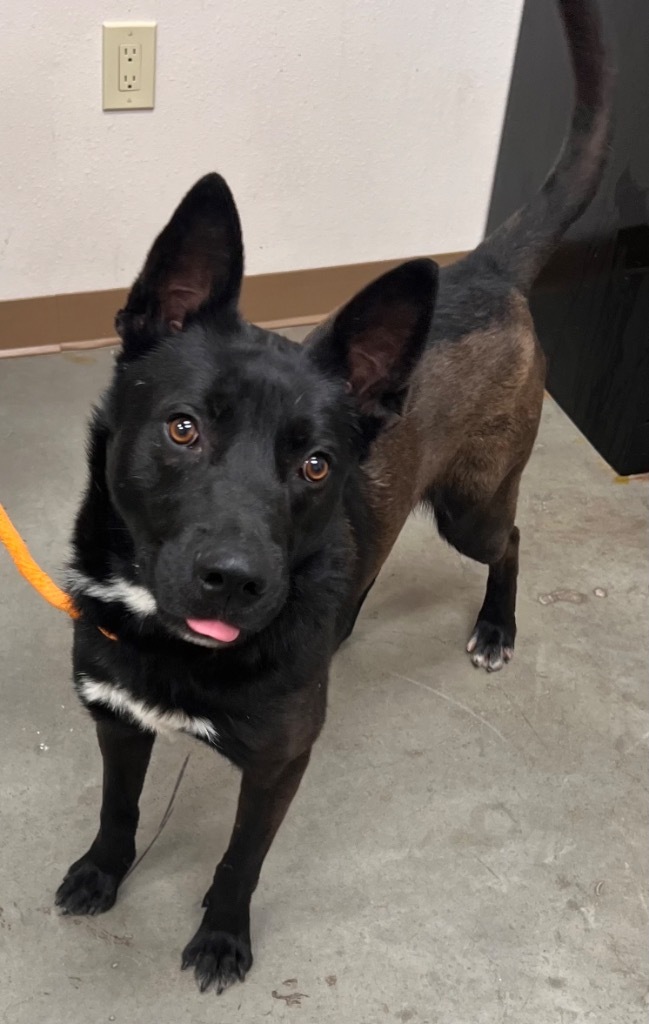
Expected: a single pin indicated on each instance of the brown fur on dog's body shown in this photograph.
(475, 399)
(461, 446)
(461, 433)
(470, 420)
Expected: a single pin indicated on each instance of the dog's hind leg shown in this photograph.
(485, 532)
(492, 642)
(91, 883)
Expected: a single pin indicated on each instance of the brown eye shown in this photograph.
(182, 430)
(315, 469)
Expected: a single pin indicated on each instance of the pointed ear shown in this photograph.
(196, 261)
(375, 341)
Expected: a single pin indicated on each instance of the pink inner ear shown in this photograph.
(182, 295)
(371, 360)
(366, 372)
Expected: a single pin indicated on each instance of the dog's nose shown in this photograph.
(231, 577)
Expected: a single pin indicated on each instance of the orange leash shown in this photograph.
(33, 573)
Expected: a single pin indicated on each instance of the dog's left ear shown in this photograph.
(195, 262)
(376, 340)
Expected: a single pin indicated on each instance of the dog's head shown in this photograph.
(228, 446)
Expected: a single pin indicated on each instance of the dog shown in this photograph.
(244, 492)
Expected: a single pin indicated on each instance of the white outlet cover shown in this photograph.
(121, 33)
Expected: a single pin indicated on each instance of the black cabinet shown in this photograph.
(591, 303)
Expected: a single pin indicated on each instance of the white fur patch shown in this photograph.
(150, 718)
(136, 597)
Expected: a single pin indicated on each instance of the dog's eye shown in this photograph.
(182, 430)
(315, 469)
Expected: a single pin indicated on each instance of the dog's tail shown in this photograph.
(523, 243)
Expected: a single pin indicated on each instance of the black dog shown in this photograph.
(244, 492)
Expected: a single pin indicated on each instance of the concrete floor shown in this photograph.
(465, 849)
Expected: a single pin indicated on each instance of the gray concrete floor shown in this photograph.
(465, 848)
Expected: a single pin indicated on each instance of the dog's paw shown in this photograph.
(218, 958)
(86, 889)
(490, 646)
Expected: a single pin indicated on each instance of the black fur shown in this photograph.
(225, 529)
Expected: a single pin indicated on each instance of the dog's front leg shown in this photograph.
(91, 883)
(220, 951)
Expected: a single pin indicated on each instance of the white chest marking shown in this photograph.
(150, 718)
(136, 597)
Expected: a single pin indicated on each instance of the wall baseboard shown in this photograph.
(53, 323)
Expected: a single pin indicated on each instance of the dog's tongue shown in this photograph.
(215, 629)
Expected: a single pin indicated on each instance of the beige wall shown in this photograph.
(350, 130)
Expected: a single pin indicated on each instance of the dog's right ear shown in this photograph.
(195, 263)
(376, 340)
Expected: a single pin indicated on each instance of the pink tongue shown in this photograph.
(215, 629)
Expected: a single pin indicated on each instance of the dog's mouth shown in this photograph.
(213, 633)
(214, 629)
(191, 623)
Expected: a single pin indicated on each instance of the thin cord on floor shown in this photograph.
(164, 820)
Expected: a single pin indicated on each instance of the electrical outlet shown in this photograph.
(128, 65)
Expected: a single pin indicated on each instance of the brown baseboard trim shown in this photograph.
(52, 323)
(75, 346)
(30, 350)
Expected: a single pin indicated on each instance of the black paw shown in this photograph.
(218, 958)
(490, 646)
(86, 890)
